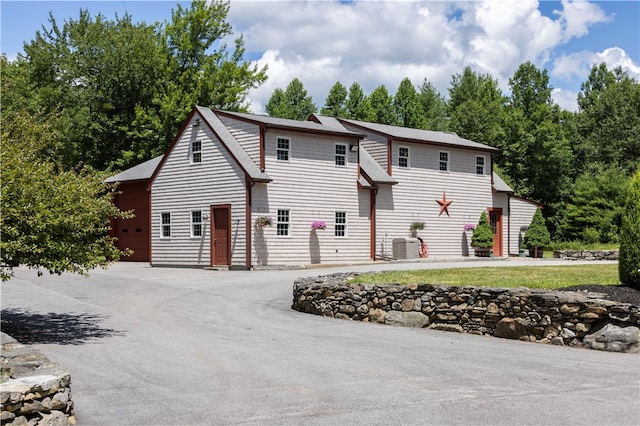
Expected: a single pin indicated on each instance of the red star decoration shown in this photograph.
(444, 204)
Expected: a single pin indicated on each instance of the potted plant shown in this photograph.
(415, 227)
(263, 221)
(318, 225)
(482, 238)
(537, 236)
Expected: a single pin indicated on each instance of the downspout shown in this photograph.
(372, 223)
(263, 130)
(247, 221)
(389, 157)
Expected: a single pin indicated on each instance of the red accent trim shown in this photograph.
(247, 223)
(498, 236)
(389, 156)
(212, 252)
(372, 224)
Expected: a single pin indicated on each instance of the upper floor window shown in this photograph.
(341, 154)
(196, 151)
(403, 156)
(196, 223)
(444, 161)
(283, 223)
(165, 225)
(341, 224)
(480, 165)
(284, 149)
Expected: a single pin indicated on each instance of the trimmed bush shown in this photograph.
(629, 260)
(537, 236)
(483, 235)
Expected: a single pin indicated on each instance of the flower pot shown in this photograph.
(536, 252)
(481, 251)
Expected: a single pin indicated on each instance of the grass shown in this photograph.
(548, 277)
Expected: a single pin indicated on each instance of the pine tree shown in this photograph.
(629, 261)
(537, 235)
(483, 235)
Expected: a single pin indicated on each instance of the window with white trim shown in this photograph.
(403, 156)
(196, 152)
(341, 154)
(444, 161)
(196, 223)
(480, 165)
(340, 224)
(283, 149)
(283, 223)
(165, 225)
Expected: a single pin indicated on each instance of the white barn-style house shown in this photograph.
(243, 190)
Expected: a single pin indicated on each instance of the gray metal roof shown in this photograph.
(419, 135)
(285, 123)
(232, 145)
(500, 185)
(373, 170)
(142, 171)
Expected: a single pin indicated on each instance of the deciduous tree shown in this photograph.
(293, 103)
(52, 220)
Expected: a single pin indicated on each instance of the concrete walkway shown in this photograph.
(160, 346)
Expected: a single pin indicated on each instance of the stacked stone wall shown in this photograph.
(33, 391)
(586, 254)
(543, 316)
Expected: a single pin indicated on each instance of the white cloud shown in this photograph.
(567, 99)
(381, 42)
(578, 64)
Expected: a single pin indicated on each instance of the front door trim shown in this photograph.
(226, 255)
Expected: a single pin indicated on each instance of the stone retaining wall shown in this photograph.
(543, 316)
(586, 254)
(33, 390)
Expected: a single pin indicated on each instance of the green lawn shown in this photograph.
(517, 276)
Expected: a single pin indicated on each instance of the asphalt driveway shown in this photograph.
(161, 346)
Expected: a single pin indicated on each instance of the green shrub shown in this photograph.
(537, 235)
(483, 235)
(629, 261)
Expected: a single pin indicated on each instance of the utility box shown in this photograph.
(406, 248)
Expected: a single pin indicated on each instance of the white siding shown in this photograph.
(522, 212)
(181, 187)
(312, 188)
(247, 135)
(414, 199)
(375, 145)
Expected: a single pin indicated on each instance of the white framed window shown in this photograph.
(283, 151)
(283, 223)
(165, 225)
(341, 154)
(444, 161)
(480, 165)
(403, 156)
(196, 223)
(340, 224)
(196, 152)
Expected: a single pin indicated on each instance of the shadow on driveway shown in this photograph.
(62, 329)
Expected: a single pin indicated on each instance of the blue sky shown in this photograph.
(377, 42)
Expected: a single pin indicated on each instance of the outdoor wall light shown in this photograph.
(197, 122)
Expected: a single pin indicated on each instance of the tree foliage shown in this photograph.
(595, 209)
(335, 106)
(293, 103)
(482, 236)
(408, 108)
(52, 219)
(434, 107)
(629, 257)
(381, 107)
(609, 120)
(537, 235)
(357, 104)
(119, 90)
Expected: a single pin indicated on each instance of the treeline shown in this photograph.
(114, 93)
(117, 91)
(576, 165)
